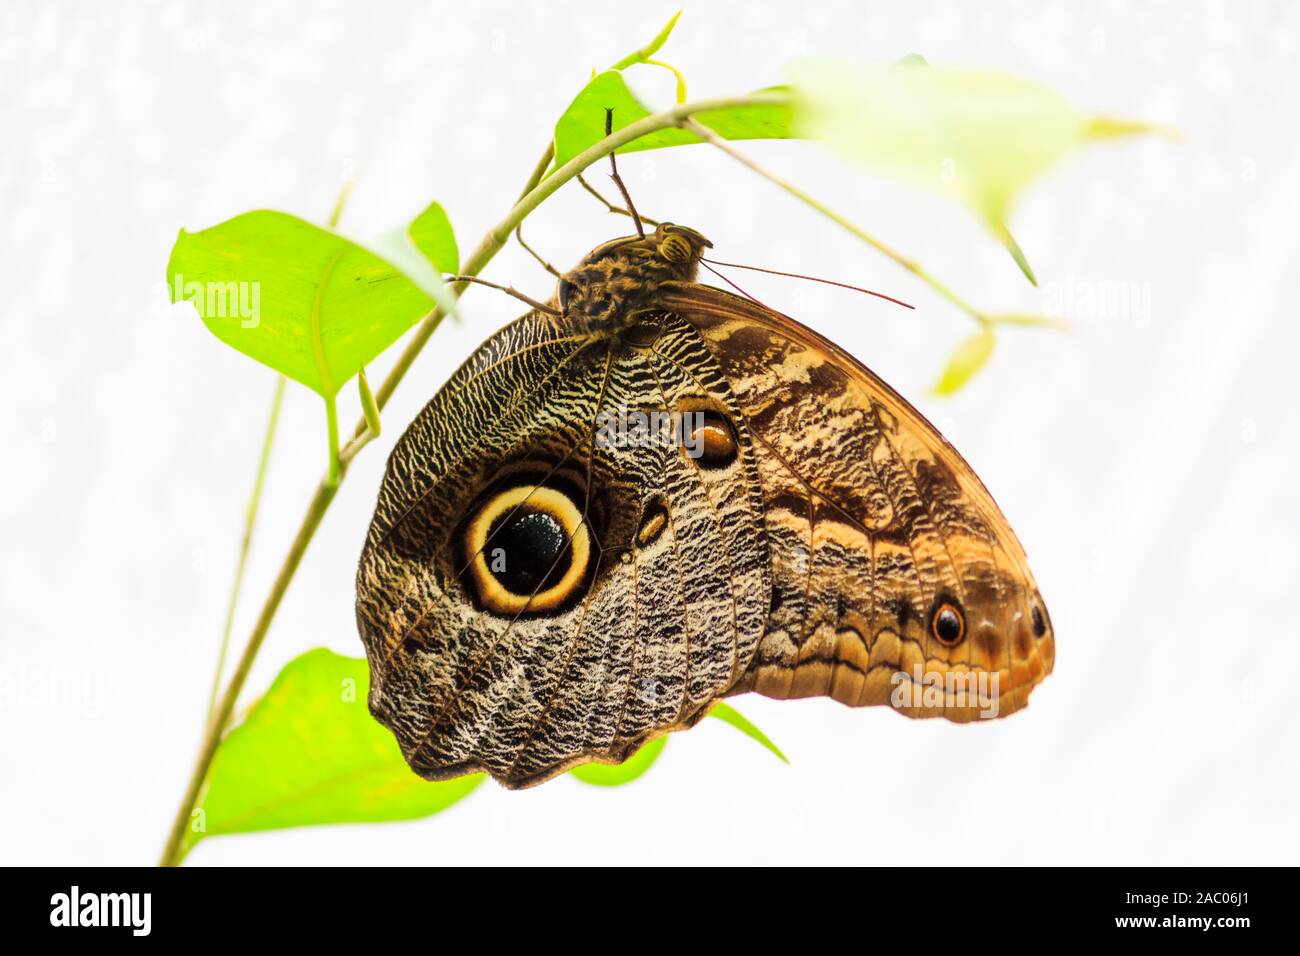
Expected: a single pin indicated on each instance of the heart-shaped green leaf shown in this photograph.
(583, 123)
(980, 137)
(300, 299)
(310, 753)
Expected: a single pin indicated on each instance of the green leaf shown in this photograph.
(583, 123)
(1017, 254)
(650, 49)
(615, 775)
(397, 246)
(432, 234)
(309, 753)
(967, 359)
(979, 137)
(728, 714)
(300, 299)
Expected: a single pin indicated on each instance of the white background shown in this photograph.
(1148, 461)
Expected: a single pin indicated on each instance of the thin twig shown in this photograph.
(175, 848)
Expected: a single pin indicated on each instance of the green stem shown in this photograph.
(911, 265)
(175, 848)
(250, 518)
(332, 430)
(681, 80)
(539, 188)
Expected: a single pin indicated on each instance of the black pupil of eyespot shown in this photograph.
(528, 551)
(947, 625)
(1040, 626)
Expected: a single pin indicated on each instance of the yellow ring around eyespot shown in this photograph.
(539, 498)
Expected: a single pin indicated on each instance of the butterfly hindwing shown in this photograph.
(539, 590)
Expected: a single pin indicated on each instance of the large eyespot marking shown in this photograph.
(1040, 625)
(534, 550)
(529, 550)
(712, 440)
(948, 624)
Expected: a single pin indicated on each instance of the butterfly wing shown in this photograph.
(537, 590)
(896, 578)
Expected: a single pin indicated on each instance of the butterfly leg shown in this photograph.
(609, 206)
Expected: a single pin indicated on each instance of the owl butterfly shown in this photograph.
(540, 589)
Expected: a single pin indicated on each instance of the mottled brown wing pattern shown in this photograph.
(882, 539)
(658, 583)
(535, 592)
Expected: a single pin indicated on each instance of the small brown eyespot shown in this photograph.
(948, 624)
(1040, 625)
(712, 441)
(654, 519)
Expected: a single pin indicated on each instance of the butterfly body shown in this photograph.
(544, 585)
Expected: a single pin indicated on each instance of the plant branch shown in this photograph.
(539, 188)
(175, 848)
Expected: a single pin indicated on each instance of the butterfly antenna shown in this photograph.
(519, 237)
(796, 275)
(704, 262)
(618, 180)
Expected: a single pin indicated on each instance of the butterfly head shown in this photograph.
(621, 276)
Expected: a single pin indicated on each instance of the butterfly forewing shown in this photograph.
(880, 534)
